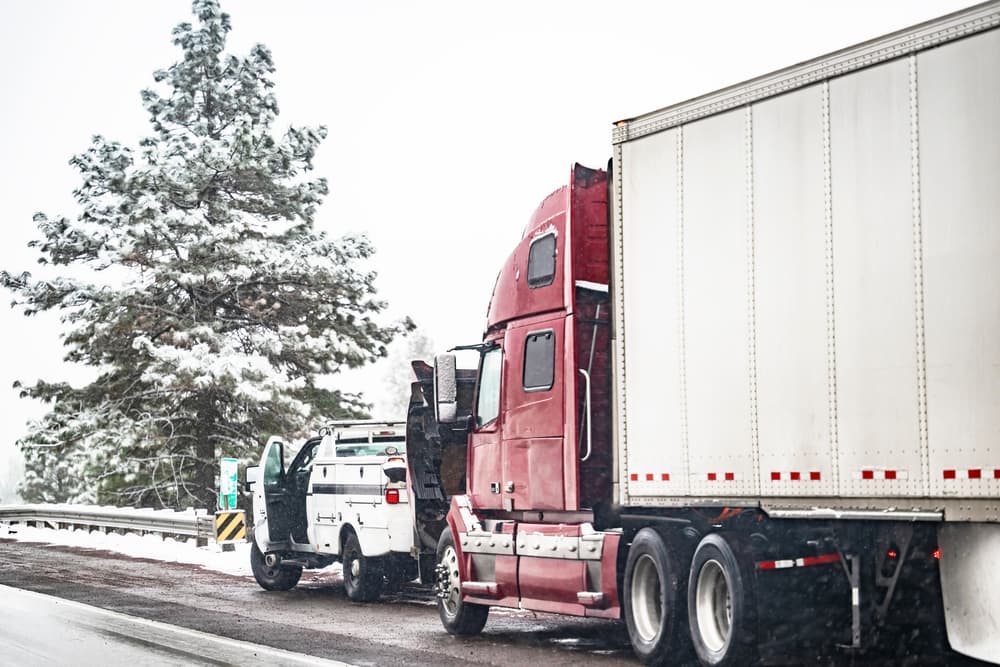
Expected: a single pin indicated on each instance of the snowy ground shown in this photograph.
(212, 557)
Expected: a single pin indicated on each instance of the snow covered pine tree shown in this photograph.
(212, 306)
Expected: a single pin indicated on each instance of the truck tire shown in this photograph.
(275, 577)
(722, 601)
(363, 577)
(653, 594)
(458, 617)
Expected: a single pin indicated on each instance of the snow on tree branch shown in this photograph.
(200, 292)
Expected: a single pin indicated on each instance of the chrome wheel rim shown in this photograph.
(452, 594)
(714, 606)
(647, 600)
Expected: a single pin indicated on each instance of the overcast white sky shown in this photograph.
(449, 121)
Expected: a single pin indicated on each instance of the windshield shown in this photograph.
(289, 451)
(368, 445)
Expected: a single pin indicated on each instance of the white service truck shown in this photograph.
(339, 496)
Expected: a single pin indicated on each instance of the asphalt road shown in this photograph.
(37, 629)
(315, 618)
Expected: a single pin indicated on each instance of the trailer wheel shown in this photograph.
(457, 616)
(363, 577)
(722, 601)
(654, 599)
(273, 576)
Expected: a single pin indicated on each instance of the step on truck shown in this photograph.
(742, 390)
(339, 496)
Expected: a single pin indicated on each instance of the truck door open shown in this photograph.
(284, 488)
(271, 494)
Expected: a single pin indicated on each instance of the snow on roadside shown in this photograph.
(212, 557)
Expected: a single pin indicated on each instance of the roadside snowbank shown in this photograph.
(212, 557)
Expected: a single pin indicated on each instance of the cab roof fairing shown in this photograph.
(511, 296)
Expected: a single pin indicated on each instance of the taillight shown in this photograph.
(392, 496)
(937, 554)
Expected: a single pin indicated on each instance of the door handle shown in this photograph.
(586, 384)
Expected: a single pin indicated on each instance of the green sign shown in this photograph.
(227, 483)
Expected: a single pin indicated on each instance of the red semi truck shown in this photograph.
(746, 380)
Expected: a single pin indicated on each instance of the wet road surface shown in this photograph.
(317, 619)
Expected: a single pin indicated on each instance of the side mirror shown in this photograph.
(252, 477)
(445, 389)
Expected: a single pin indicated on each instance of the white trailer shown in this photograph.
(806, 304)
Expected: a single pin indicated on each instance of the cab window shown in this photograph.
(273, 465)
(488, 402)
(542, 261)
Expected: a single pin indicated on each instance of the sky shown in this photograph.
(449, 122)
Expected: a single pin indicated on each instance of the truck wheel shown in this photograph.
(363, 577)
(655, 608)
(458, 617)
(722, 601)
(274, 576)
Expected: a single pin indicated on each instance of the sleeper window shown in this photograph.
(542, 261)
(539, 361)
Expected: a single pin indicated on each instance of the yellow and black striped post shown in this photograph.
(230, 526)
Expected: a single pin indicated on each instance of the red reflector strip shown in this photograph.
(712, 476)
(818, 560)
(972, 473)
(807, 561)
(797, 476)
(775, 564)
(890, 475)
(649, 476)
(730, 476)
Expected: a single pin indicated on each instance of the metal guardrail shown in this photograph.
(187, 523)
